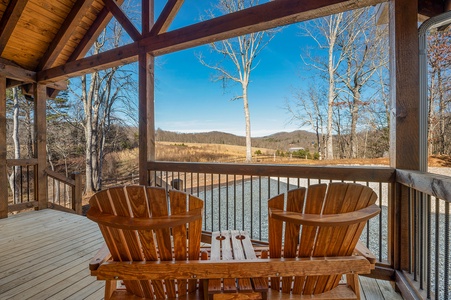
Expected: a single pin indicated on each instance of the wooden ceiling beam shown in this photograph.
(102, 20)
(257, 18)
(426, 9)
(108, 59)
(122, 18)
(65, 32)
(9, 20)
(52, 89)
(10, 83)
(166, 17)
(253, 19)
(12, 71)
(430, 8)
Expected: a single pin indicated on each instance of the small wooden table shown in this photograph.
(234, 245)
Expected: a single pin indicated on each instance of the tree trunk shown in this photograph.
(248, 123)
(87, 99)
(431, 115)
(30, 132)
(96, 130)
(331, 98)
(354, 119)
(441, 113)
(15, 174)
(331, 67)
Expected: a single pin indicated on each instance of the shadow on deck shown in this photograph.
(45, 255)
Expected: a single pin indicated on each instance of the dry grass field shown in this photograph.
(125, 164)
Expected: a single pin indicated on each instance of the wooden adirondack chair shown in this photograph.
(146, 224)
(332, 219)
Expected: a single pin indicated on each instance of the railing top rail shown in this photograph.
(350, 173)
(60, 177)
(22, 162)
(433, 184)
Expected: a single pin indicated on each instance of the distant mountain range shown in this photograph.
(277, 141)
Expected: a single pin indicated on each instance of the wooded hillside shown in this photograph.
(278, 141)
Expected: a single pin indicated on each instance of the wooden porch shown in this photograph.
(53, 263)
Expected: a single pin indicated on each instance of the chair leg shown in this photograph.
(110, 287)
(352, 281)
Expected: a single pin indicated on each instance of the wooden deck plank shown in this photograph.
(29, 256)
(59, 267)
(53, 253)
(79, 290)
(48, 258)
(371, 288)
(93, 290)
(42, 276)
(388, 291)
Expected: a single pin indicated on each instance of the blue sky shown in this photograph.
(187, 100)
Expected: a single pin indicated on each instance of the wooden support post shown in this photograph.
(146, 116)
(77, 196)
(40, 123)
(3, 167)
(146, 112)
(404, 123)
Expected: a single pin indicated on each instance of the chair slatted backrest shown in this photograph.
(116, 208)
(293, 240)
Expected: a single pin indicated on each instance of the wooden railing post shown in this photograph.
(77, 196)
(404, 122)
(3, 169)
(40, 98)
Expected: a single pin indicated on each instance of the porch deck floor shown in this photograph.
(45, 255)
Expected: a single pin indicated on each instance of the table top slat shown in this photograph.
(234, 245)
(227, 253)
(215, 246)
(236, 237)
(248, 248)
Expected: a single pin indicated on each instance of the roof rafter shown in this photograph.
(102, 20)
(246, 21)
(166, 17)
(65, 32)
(147, 15)
(122, 18)
(9, 20)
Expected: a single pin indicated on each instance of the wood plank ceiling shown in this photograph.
(39, 34)
(46, 40)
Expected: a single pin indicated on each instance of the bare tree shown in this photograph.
(347, 58)
(16, 141)
(103, 94)
(325, 32)
(241, 52)
(439, 60)
(310, 110)
(360, 44)
(58, 124)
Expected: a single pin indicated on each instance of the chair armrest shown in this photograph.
(101, 256)
(341, 219)
(362, 250)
